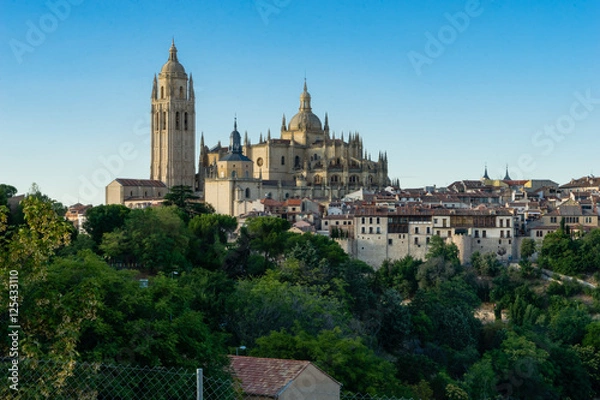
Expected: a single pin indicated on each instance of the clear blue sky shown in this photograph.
(515, 82)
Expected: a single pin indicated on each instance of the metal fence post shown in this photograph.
(199, 385)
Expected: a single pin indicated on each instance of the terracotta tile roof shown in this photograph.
(140, 182)
(265, 376)
(294, 202)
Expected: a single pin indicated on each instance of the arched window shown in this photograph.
(164, 120)
(282, 160)
(156, 119)
(247, 193)
(297, 161)
(181, 92)
(162, 92)
(185, 121)
(177, 125)
(233, 174)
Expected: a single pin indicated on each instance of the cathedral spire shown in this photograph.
(283, 123)
(506, 176)
(191, 88)
(485, 174)
(305, 99)
(269, 134)
(154, 88)
(173, 51)
(326, 127)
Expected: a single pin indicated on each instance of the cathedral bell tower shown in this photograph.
(173, 122)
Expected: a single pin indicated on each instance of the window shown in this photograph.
(247, 193)
(362, 220)
(378, 220)
(435, 221)
(181, 92)
(427, 240)
(484, 233)
(378, 230)
(164, 120)
(449, 233)
(362, 230)
(552, 220)
(416, 229)
(476, 233)
(508, 223)
(501, 223)
(282, 160)
(370, 229)
(444, 223)
(162, 92)
(507, 234)
(501, 234)
(428, 230)
(185, 121)
(390, 242)
(370, 220)
(177, 120)
(297, 162)
(416, 240)
(437, 233)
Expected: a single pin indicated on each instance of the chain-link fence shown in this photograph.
(41, 380)
(358, 396)
(34, 379)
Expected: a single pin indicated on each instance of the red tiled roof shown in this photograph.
(265, 376)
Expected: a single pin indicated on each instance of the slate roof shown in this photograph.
(265, 376)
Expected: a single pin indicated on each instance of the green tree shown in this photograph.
(264, 304)
(590, 251)
(155, 238)
(104, 219)
(346, 359)
(438, 248)
(6, 192)
(184, 199)
(486, 264)
(211, 232)
(560, 253)
(400, 275)
(528, 248)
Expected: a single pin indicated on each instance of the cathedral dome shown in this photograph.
(305, 119)
(173, 65)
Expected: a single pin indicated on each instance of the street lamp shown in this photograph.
(239, 348)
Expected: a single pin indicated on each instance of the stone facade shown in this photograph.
(306, 161)
(381, 234)
(173, 122)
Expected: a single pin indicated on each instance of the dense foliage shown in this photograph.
(409, 328)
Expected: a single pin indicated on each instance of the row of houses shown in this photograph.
(477, 215)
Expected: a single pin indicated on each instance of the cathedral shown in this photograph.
(307, 160)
